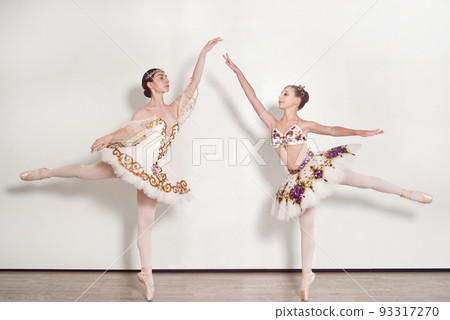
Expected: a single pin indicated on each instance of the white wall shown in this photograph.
(65, 82)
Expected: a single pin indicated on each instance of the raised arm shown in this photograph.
(198, 71)
(265, 116)
(314, 127)
(184, 103)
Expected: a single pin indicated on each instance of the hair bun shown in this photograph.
(147, 93)
(148, 77)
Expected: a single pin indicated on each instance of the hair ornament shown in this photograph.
(150, 75)
(300, 88)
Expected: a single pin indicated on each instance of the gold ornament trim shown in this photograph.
(158, 178)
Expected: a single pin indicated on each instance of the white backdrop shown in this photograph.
(66, 81)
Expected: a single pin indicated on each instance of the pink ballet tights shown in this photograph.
(307, 218)
(146, 216)
(146, 206)
(308, 241)
(99, 170)
(367, 182)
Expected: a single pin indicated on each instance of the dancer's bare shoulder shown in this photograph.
(314, 127)
(307, 126)
(144, 113)
(284, 125)
(165, 113)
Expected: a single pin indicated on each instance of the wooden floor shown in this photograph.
(222, 286)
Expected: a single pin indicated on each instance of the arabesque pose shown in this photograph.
(311, 175)
(136, 153)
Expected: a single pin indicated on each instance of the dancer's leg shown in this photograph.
(99, 170)
(146, 215)
(367, 182)
(307, 231)
(362, 181)
(308, 244)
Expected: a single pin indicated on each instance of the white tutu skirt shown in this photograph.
(306, 186)
(157, 183)
(141, 160)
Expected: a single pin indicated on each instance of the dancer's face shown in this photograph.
(287, 99)
(160, 83)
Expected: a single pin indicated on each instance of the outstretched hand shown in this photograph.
(100, 143)
(230, 63)
(211, 43)
(369, 133)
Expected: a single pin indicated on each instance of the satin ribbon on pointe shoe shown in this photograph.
(307, 279)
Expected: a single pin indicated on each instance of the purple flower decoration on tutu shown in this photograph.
(297, 192)
(335, 152)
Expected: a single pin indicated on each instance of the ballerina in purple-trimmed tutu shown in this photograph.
(311, 175)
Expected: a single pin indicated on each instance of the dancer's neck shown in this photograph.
(290, 115)
(156, 101)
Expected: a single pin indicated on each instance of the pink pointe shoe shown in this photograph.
(147, 280)
(37, 174)
(418, 196)
(307, 279)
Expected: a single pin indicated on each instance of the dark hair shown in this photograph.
(148, 77)
(301, 93)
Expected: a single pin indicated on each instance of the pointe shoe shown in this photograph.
(307, 279)
(147, 280)
(418, 196)
(37, 174)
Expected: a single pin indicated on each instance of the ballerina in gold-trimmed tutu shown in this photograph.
(311, 175)
(137, 154)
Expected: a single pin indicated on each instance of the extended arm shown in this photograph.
(180, 102)
(102, 142)
(335, 131)
(120, 134)
(198, 70)
(265, 116)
